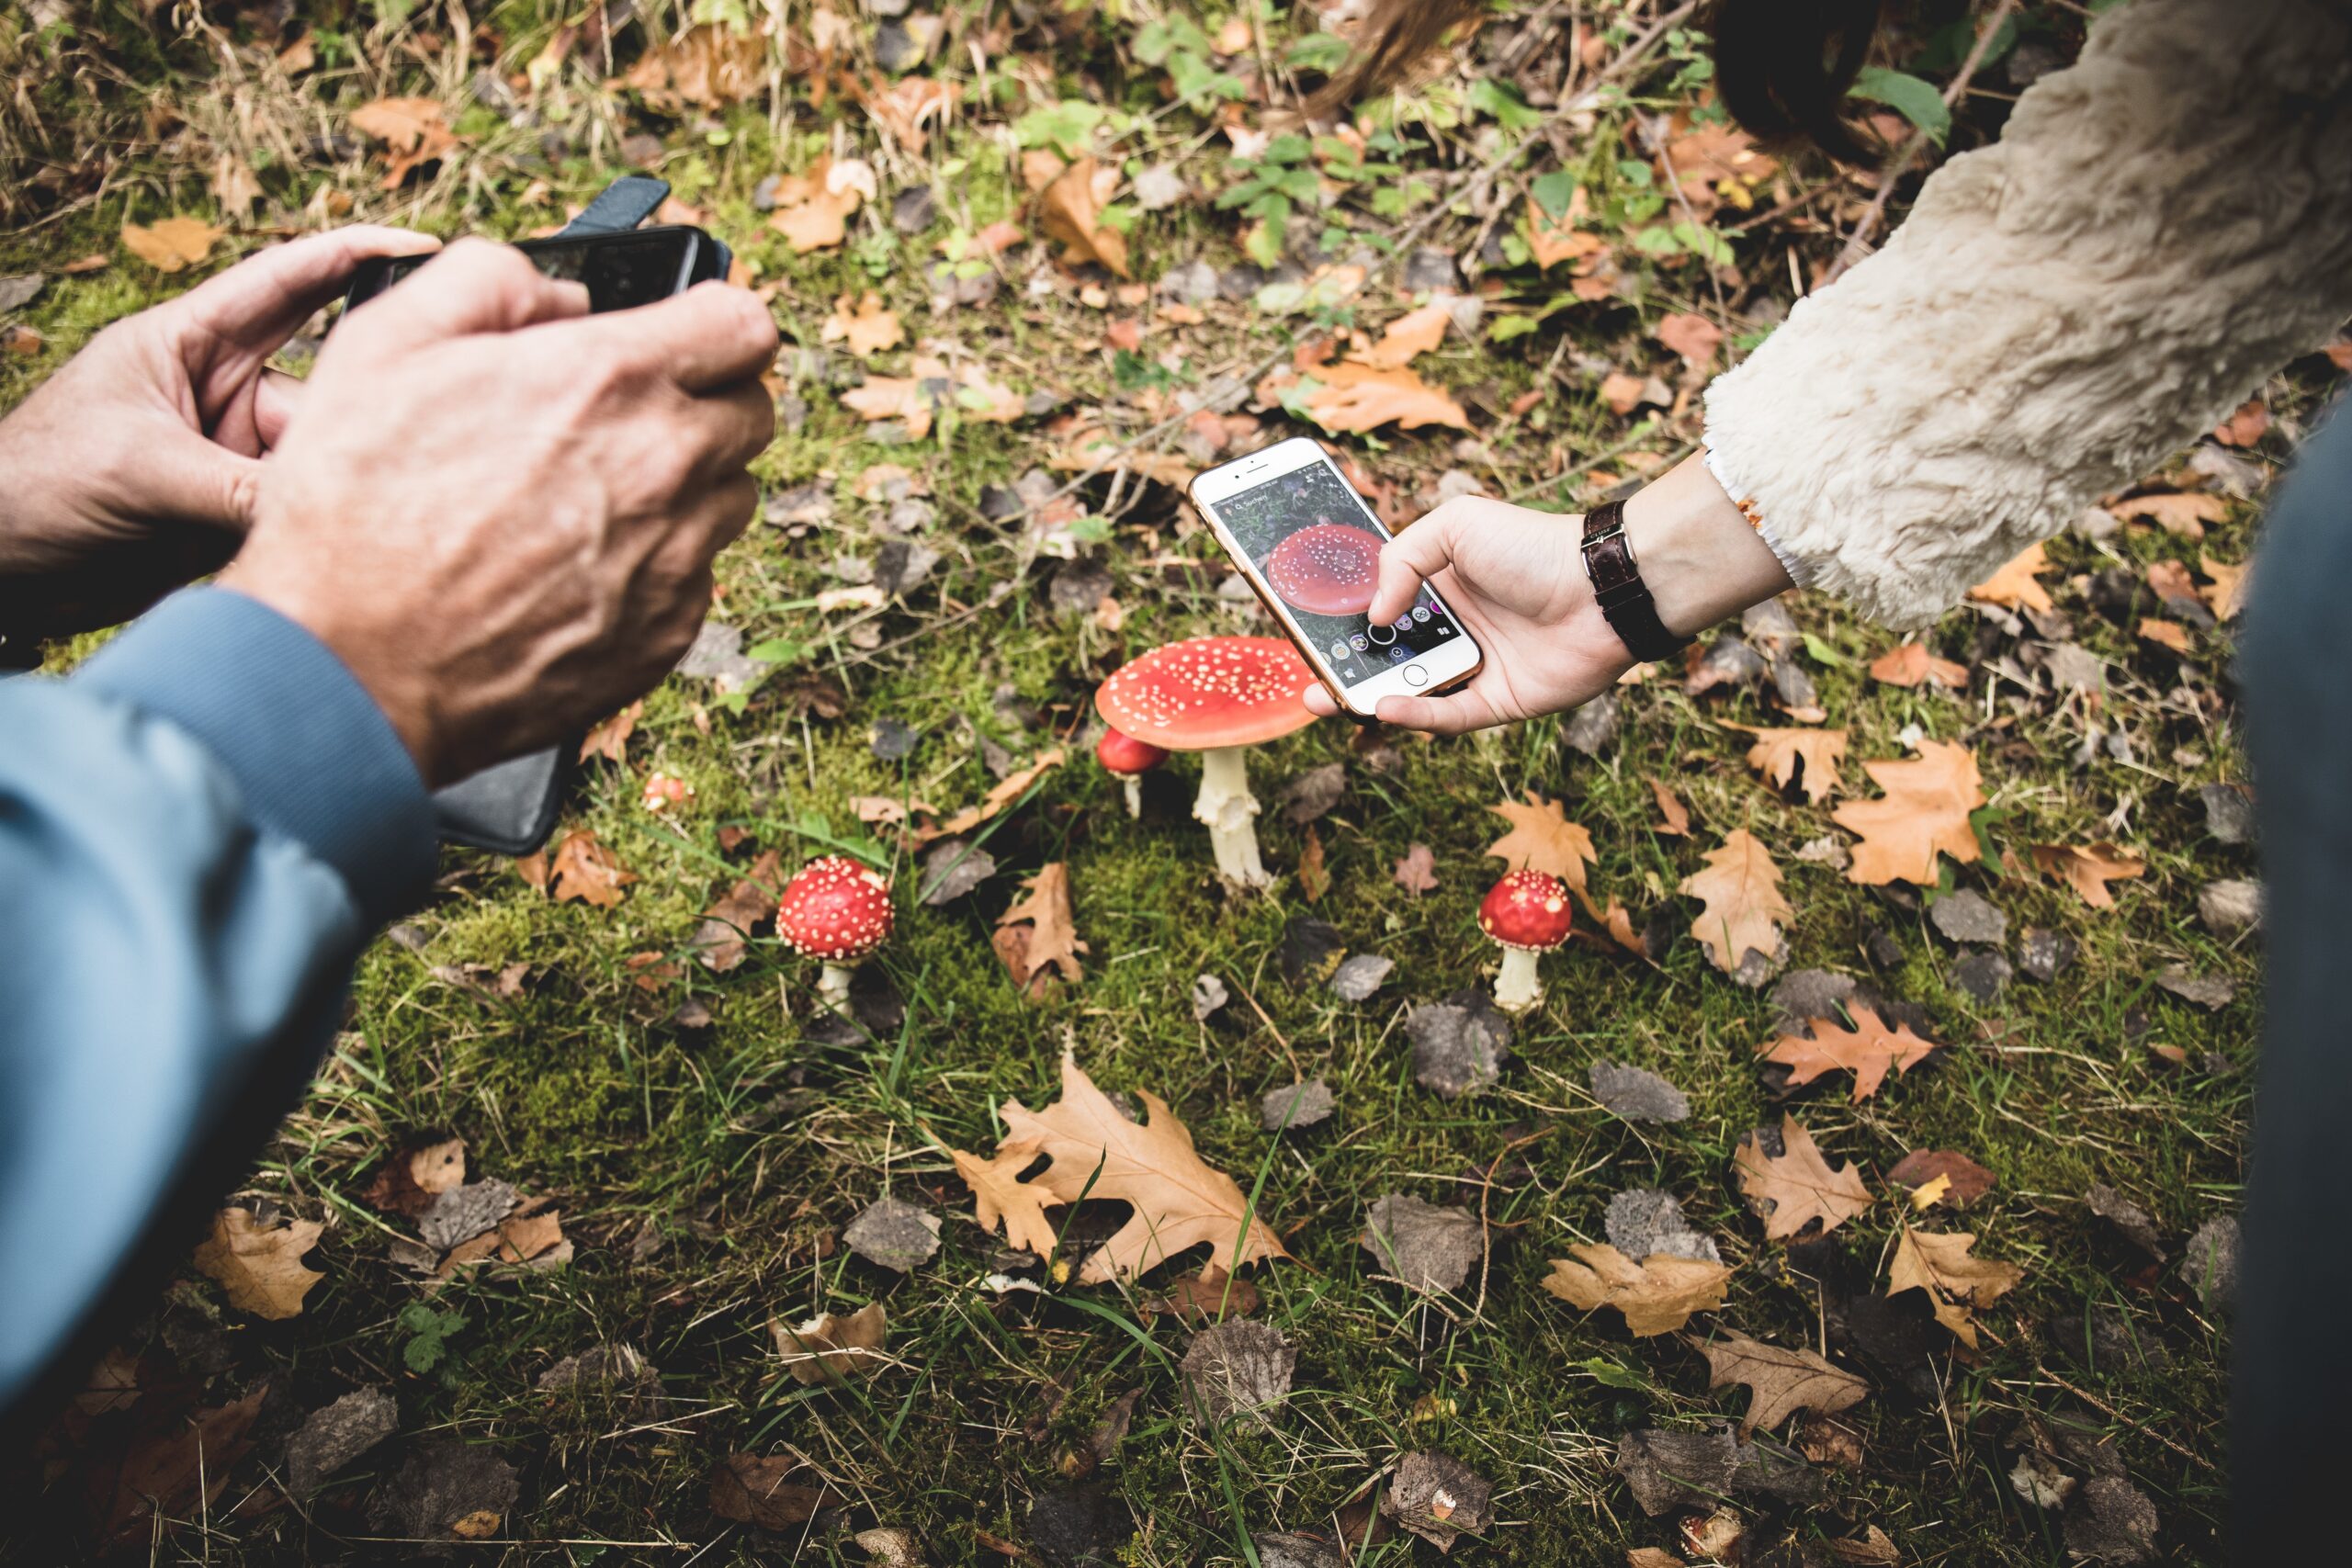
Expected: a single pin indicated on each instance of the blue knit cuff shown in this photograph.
(314, 757)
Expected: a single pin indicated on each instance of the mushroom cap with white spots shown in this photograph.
(836, 908)
(1123, 754)
(1208, 692)
(1526, 908)
(1326, 570)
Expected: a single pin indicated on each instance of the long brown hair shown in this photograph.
(1782, 67)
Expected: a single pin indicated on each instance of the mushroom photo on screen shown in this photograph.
(1219, 696)
(1327, 569)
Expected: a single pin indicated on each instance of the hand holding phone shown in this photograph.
(1312, 549)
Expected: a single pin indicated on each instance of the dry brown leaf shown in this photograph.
(260, 1270)
(892, 397)
(1622, 393)
(1542, 839)
(1909, 663)
(610, 739)
(1715, 163)
(721, 941)
(1070, 210)
(830, 1347)
(1798, 1184)
(2167, 634)
(1651, 1557)
(1695, 338)
(1963, 1180)
(775, 1494)
(868, 328)
(1354, 398)
(907, 107)
(171, 245)
(1658, 1295)
(1675, 817)
(706, 65)
(1866, 1051)
(1314, 880)
(2184, 514)
(1052, 943)
(813, 207)
(1781, 1382)
(1008, 789)
(1179, 1201)
(233, 185)
(1409, 336)
(1939, 1264)
(1417, 871)
(1779, 754)
(1551, 242)
(998, 1191)
(2014, 585)
(2226, 597)
(2247, 424)
(585, 870)
(1741, 892)
(2087, 869)
(413, 132)
(408, 1183)
(1924, 812)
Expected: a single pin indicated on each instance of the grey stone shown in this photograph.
(2212, 992)
(952, 868)
(1967, 916)
(892, 741)
(1239, 1368)
(445, 1480)
(333, 1435)
(21, 290)
(1429, 270)
(1457, 1051)
(2229, 812)
(464, 1212)
(1645, 1222)
(1984, 975)
(2211, 1262)
(1314, 792)
(1242, 281)
(1429, 1247)
(1804, 995)
(1636, 1094)
(1360, 975)
(1296, 1549)
(1208, 994)
(901, 565)
(2111, 1521)
(1295, 1106)
(1078, 586)
(2045, 955)
(1159, 187)
(913, 210)
(1194, 283)
(893, 1233)
(716, 656)
(2230, 907)
(1591, 727)
(2132, 1222)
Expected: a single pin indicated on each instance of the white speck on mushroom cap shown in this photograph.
(1209, 691)
(1527, 909)
(836, 908)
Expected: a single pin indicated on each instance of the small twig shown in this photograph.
(2112, 1414)
(1858, 242)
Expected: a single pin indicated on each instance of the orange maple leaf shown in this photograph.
(1778, 754)
(1542, 839)
(1866, 1051)
(2015, 584)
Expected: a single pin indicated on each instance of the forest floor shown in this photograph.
(587, 1352)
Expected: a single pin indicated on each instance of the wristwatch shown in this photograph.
(1617, 583)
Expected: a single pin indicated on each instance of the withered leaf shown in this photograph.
(409, 1182)
(1797, 1186)
(1417, 871)
(1964, 1179)
(1439, 1499)
(1674, 817)
(721, 941)
(1808, 758)
(869, 327)
(709, 65)
(1542, 839)
(1428, 1247)
(1741, 892)
(1908, 664)
(2182, 514)
(2087, 869)
(585, 870)
(1866, 1051)
(610, 739)
(813, 209)
(172, 244)
(2014, 586)
(774, 1493)
(413, 132)
(830, 1347)
(1695, 338)
(1008, 789)
(1924, 813)
(1239, 1368)
(260, 1270)
(1656, 1296)
(998, 1193)
(1069, 212)
(1781, 1382)
(1939, 1264)
(1409, 336)
(1052, 942)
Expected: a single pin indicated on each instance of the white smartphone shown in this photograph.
(1310, 547)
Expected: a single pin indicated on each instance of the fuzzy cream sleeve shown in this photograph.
(2161, 226)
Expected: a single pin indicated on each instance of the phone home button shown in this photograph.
(1416, 676)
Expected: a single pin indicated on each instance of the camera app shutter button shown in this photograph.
(1381, 632)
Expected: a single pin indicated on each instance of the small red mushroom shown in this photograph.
(1219, 696)
(836, 909)
(1128, 759)
(1527, 912)
(1326, 570)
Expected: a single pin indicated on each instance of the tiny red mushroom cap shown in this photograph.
(1526, 908)
(1209, 691)
(836, 908)
(1328, 569)
(1123, 754)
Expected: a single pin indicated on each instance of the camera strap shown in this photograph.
(621, 205)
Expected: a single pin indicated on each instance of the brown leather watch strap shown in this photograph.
(1617, 584)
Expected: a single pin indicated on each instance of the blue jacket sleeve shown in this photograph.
(198, 832)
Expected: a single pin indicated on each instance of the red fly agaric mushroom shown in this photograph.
(836, 909)
(1527, 912)
(1128, 759)
(1328, 569)
(1219, 696)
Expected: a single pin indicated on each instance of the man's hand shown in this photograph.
(131, 470)
(500, 511)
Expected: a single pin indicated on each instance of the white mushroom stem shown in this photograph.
(1135, 793)
(1518, 986)
(1226, 808)
(832, 987)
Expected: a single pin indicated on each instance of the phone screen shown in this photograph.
(620, 271)
(1310, 537)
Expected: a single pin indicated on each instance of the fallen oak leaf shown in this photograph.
(1409, 336)
(1780, 1382)
(1656, 1296)
(1050, 944)
(1939, 1264)
(2165, 633)
(892, 397)
(1070, 210)
(752, 1490)
(1008, 789)
(2226, 597)
(610, 739)
(1909, 663)
(1964, 1180)
(2183, 514)
(415, 131)
(998, 1193)
(1797, 1186)
(2087, 869)
(724, 937)
(1808, 758)
(1542, 839)
(1694, 338)
(708, 64)
(1348, 399)
(830, 1347)
(1924, 813)
(1866, 1051)
(868, 328)
(585, 870)
(2013, 586)
(172, 244)
(813, 209)
(260, 1268)
(1740, 889)
(1416, 870)
(1674, 817)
